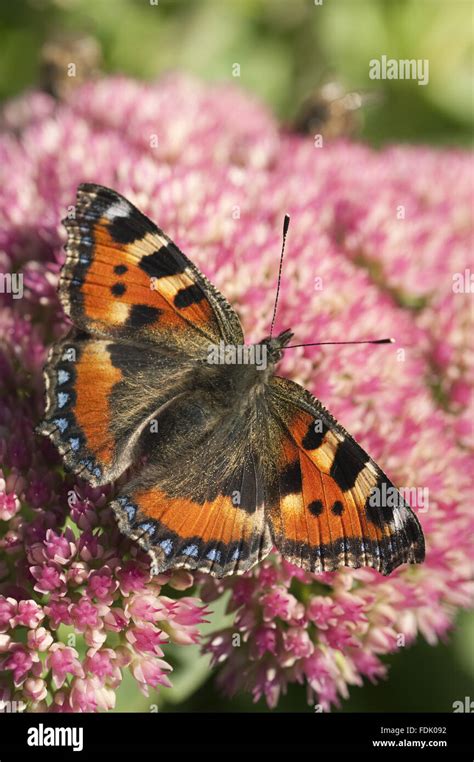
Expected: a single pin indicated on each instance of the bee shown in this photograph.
(332, 111)
(67, 60)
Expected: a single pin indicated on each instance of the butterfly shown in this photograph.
(229, 459)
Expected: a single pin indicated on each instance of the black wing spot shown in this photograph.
(131, 228)
(187, 296)
(348, 462)
(290, 479)
(337, 508)
(377, 507)
(313, 437)
(161, 264)
(316, 508)
(118, 289)
(120, 269)
(142, 315)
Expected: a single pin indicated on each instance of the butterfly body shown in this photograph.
(228, 459)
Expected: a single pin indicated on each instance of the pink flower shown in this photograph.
(266, 640)
(35, 689)
(145, 607)
(19, 662)
(185, 612)
(59, 612)
(84, 615)
(279, 603)
(321, 611)
(183, 617)
(39, 639)
(101, 585)
(59, 547)
(61, 702)
(321, 673)
(298, 644)
(8, 608)
(146, 639)
(29, 614)
(150, 672)
(95, 638)
(83, 512)
(77, 573)
(103, 664)
(89, 695)
(48, 578)
(132, 578)
(5, 642)
(116, 620)
(89, 546)
(63, 661)
(267, 683)
(9, 505)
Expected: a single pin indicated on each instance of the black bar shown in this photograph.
(442, 733)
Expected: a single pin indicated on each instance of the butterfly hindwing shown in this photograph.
(125, 279)
(213, 524)
(333, 505)
(101, 394)
(199, 502)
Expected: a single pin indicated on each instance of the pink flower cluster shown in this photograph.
(378, 245)
(74, 578)
(78, 606)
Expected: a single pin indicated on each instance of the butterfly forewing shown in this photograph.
(124, 278)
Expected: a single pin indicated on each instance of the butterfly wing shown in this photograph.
(199, 502)
(101, 394)
(125, 279)
(330, 505)
(144, 316)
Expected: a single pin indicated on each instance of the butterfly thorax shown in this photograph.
(231, 370)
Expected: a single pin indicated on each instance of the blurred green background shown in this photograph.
(286, 49)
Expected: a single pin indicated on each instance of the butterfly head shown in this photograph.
(275, 344)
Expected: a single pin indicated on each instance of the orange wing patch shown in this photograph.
(124, 276)
(330, 510)
(312, 511)
(212, 521)
(80, 379)
(127, 294)
(101, 396)
(215, 536)
(95, 379)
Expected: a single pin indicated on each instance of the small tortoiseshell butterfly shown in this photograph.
(231, 459)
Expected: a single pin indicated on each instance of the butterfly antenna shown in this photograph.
(286, 223)
(322, 343)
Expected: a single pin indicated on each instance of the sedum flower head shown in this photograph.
(378, 246)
